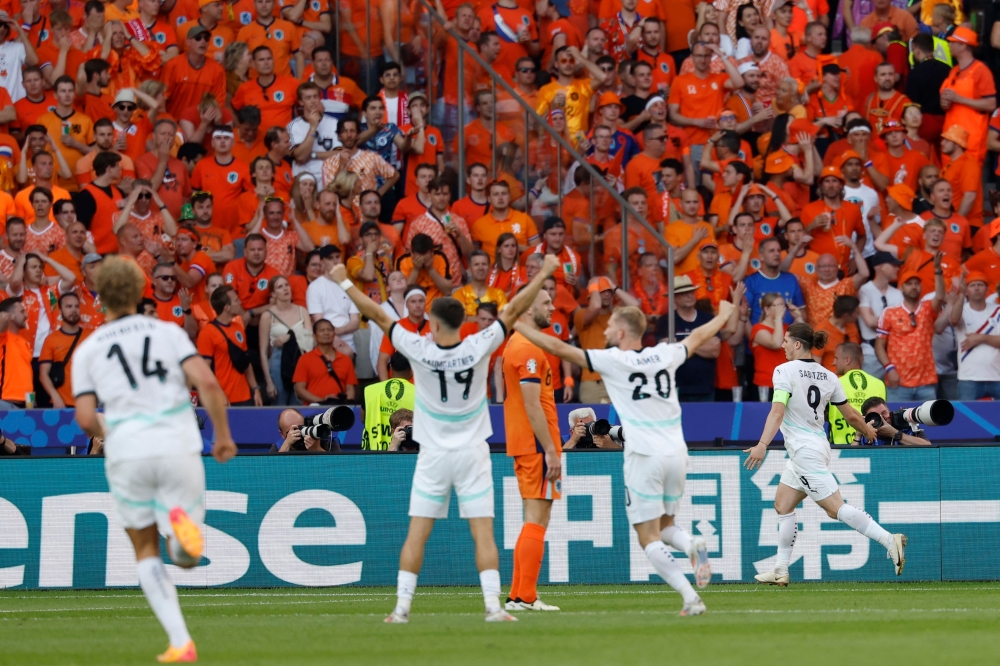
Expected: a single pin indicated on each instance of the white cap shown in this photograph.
(124, 96)
(746, 67)
(653, 100)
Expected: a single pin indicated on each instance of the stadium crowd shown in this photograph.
(219, 146)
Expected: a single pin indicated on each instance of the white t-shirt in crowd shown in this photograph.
(982, 362)
(871, 297)
(326, 140)
(868, 199)
(325, 297)
(12, 58)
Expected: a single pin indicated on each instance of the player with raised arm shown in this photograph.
(803, 392)
(640, 382)
(451, 420)
(140, 368)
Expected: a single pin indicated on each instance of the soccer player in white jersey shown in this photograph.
(140, 369)
(803, 391)
(451, 421)
(640, 382)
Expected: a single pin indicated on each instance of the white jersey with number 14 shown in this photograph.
(643, 391)
(133, 366)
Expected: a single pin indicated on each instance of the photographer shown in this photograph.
(889, 435)
(290, 423)
(401, 424)
(580, 438)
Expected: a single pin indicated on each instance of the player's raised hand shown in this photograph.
(223, 449)
(726, 309)
(550, 265)
(757, 454)
(338, 273)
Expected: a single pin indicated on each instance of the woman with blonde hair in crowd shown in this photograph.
(236, 61)
(278, 324)
(305, 198)
(347, 186)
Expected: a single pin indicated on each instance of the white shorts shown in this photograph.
(468, 470)
(810, 473)
(654, 485)
(146, 489)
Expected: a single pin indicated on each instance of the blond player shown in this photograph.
(640, 382)
(531, 424)
(140, 369)
(451, 422)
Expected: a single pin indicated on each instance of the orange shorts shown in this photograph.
(530, 470)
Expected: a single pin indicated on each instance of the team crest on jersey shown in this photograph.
(43, 35)
(279, 96)
(246, 18)
(315, 5)
(161, 37)
(432, 140)
(692, 90)
(229, 278)
(488, 333)
(279, 35)
(954, 228)
(516, 228)
(715, 86)
(755, 264)
(664, 68)
(765, 229)
(218, 42)
(574, 96)
(810, 267)
(525, 20)
(288, 177)
(262, 284)
(232, 177)
(532, 366)
(557, 328)
(239, 337)
(181, 20)
(177, 311)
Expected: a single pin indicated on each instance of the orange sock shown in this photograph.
(528, 558)
(515, 582)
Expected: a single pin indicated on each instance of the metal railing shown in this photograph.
(596, 177)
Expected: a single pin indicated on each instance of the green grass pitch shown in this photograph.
(847, 624)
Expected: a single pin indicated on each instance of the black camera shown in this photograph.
(322, 426)
(408, 444)
(601, 427)
(931, 413)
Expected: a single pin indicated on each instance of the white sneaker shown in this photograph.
(500, 615)
(397, 618)
(779, 578)
(898, 552)
(512, 605)
(536, 605)
(696, 608)
(699, 563)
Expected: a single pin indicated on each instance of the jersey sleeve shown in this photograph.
(524, 364)
(782, 380)
(491, 337)
(838, 397)
(83, 380)
(405, 341)
(182, 344)
(206, 343)
(599, 360)
(48, 350)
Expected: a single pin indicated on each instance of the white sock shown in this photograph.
(178, 554)
(737, 394)
(406, 585)
(162, 597)
(864, 523)
(490, 580)
(788, 528)
(667, 567)
(678, 538)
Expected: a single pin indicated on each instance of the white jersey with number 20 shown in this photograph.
(811, 388)
(133, 366)
(450, 407)
(643, 391)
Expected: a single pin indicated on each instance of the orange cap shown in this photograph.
(906, 276)
(756, 190)
(800, 125)
(602, 284)
(831, 171)
(957, 134)
(892, 126)
(779, 162)
(976, 276)
(608, 98)
(847, 155)
(963, 35)
(902, 194)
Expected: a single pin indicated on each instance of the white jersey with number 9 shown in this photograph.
(811, 388)
(133, 366)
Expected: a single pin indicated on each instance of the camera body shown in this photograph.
(602, 427)
(930, 413)
(408, 444)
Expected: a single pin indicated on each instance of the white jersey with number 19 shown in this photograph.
(642, 389)
(810, 388)
(133, 366)
(450, 408)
